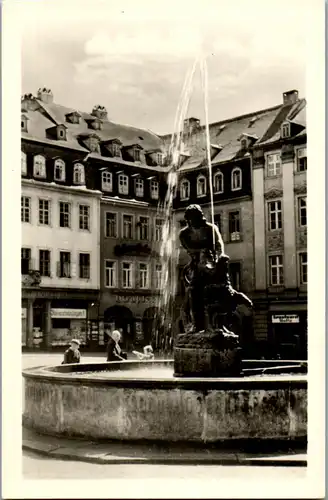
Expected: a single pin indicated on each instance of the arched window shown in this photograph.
(39, 166)
(59, 173)
(107, 181)
(123, 184)
(78, 174)
(184, 189)
(23, 163)
(218, 182)
(236, 179)
(201, 186)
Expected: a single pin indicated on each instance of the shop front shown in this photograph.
(289, 333)
(67, 323)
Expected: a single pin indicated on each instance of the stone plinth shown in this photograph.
(207, 354)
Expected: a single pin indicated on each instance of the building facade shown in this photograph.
(259, 193)
(280, 231)
(91, 225)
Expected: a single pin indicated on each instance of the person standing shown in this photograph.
(72, 354)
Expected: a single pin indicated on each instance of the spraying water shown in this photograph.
(169, 253)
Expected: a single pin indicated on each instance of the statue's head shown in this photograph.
(194, 216)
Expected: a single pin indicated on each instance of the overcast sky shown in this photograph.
(132, 57)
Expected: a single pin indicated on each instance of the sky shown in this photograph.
(133, 56)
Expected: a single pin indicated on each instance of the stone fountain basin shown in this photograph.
(113, 401)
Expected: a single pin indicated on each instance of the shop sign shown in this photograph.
(285, 318)
(69, 313)
(136, 299)
(24, 313)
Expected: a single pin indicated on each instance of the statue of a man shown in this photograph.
(207, 273)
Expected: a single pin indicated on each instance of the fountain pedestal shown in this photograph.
(207, 354)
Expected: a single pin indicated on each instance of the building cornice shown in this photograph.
(52, 186)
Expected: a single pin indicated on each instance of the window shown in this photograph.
(201, 186)
(111, 225)
(143, 228)
(159, 159)
(139, 185)
(44, 262)
(116, 150)
(301, 160)
(44, 212)
(110, 274)
(25, 260)
(84, 265)
(217, 221)
(59, 173)
(236, 179)
(273, 165)
(64, 214)
(79, 174)
(128, 227)
(154, 189)
(23, 163)
(285, 130)
(143, 276)
(136, 154)
(302, 216)
(159, 223)
(84, 217)
(64, 265)
(218, 182)
(234, 226)
(275, 215)
(235, 274)
(25, 209)
(303, 268)
(39, 166)
(107, 181)
(185, 190)
(158, 275)
(276, 270)
(123, 184)
(127, 274)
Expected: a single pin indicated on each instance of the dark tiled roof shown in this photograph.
(50, 114)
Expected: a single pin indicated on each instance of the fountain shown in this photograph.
(207, 393)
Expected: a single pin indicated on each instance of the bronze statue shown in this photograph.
(211, 298)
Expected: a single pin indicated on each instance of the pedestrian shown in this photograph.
(114, 351)
(72, 354)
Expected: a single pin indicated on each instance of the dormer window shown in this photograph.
(218, 183)
(79, 174)
(93, 143)
(139, 187)
(201, 186)
(59, 170)
(94, 123)
(57, 132)
(184, 190)
(73, 117)
(107, 181)
(61, 132)
(116, 150)
(154, 189)
(236, 179)
(23, 163)
(136, 154)
(159, 158)
(285, 130)
(24, 123)
(39, 166)
(123, 184)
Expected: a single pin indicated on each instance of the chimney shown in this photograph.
(190, 125)
(29, 103)
(100, 112)
(290, 97)
(45, 95)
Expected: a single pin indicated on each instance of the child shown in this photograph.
(72, 355)
(147, 353)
